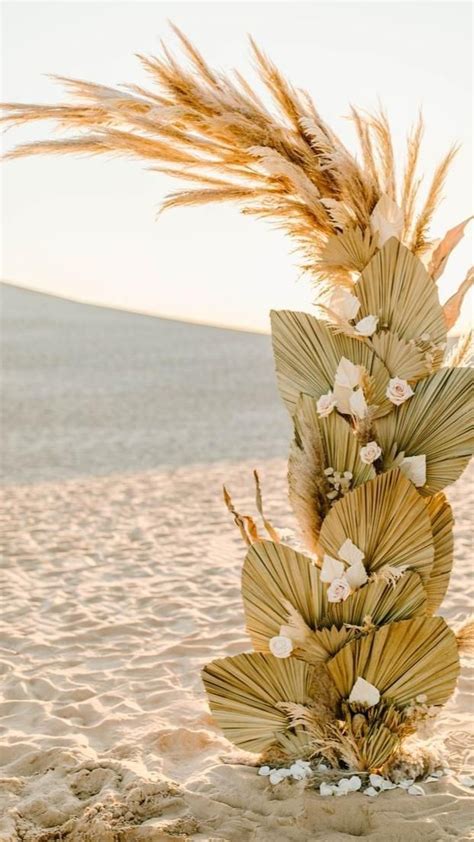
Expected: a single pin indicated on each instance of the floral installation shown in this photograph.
(379, 411)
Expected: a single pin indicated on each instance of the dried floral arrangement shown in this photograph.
(350, 655)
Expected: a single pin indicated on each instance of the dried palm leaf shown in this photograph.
(244, 523)
(307, 354)
(307, 484)
(396, 287)
(282, 593)
(452, 308)
(244, 691)
(387, 520)
(274, 578)
(346, 253)
(442, 523)
(441, 254)
(435, 422)
(382, 601)
(320, 444)
(402, 359)
(403, 660)
(259, 501)
(318, 646)
(377, 747)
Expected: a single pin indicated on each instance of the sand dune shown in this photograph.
(90, 390)
(117, 589)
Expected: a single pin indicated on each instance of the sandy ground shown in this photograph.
(121, 578)
(117, 591)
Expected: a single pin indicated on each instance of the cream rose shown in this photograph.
(325, 404)
(370, 452)
(338, 590)
(280, 646)
(398, 391)
(367, 326)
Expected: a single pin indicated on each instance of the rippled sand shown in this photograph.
(118, 590)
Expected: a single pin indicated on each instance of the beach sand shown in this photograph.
(118, 586)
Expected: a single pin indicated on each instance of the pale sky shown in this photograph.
(86, 228)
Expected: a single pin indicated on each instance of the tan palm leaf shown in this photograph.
(402, 359)
(307, 353)
(347, 252)
(243, 693)
(275, 577)
(396, 287)
(320, 443)
(387, 520)
(442, 523)
(403, 660)
(436, 422)
(281, 587)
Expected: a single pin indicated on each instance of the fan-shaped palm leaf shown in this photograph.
(403, 660)
(307, 354)
(436, 422)
(402, 359)
(387, 520)
(347, 252)
(281, 587)
(275, 577)
(396, 287)
(442, 523)
(243, 692)
(320, 443)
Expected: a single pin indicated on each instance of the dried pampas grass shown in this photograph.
(279, 160)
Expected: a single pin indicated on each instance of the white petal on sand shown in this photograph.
(370, 791)
(416, 789)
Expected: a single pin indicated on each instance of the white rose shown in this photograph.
(370, 452)
(280, 646)
(398, 391)
(344, 304)
(338, 590)
(325, 404)
(367, 326)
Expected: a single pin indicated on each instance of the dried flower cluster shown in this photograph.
(349, 655)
